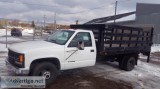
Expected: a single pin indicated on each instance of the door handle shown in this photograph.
(92, 50)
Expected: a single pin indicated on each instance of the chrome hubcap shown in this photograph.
(47, 74)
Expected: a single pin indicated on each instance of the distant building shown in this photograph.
(148, 14)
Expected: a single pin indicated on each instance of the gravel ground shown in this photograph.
(80, 79)
(156, 54)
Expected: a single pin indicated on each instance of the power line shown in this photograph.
(103, 6)
(120, 1)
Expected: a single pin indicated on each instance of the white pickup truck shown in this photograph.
(69, 49)
(61, 51)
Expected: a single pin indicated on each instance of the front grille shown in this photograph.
(13, 58)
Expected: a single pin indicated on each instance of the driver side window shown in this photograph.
(81, 36)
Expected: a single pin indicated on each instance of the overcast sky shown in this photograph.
(67, 11)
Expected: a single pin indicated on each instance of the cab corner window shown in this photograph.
(81, 36)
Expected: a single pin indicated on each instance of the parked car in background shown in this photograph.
(16, 32)
(49, 31)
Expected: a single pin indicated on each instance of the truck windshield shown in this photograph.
(60, 37)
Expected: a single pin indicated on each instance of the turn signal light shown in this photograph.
(21, 58)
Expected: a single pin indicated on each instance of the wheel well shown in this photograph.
(55, 61)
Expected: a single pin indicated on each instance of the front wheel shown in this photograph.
(48, 70)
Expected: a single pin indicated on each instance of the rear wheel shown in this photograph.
(48, 70)
(129, 63)
(121, 61)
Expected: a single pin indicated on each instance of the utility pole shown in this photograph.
(115, 11)
(55, 23)
(44, 21)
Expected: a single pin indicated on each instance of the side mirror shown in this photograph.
(80, 45)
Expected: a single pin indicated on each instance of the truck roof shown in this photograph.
(88, 26)
(102, 26)
(79, 30)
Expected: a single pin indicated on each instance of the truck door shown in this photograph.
(76, 58)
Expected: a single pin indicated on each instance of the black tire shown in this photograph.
(121, 62)
(12, 34)
(129, 63)
(47, 69)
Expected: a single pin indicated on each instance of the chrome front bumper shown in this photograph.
(16, 70)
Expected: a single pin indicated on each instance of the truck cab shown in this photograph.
(64, 49)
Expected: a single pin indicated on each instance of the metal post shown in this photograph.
(6, 33)
(33, 33)
(158, 41)
(148, 58)
(77, 22)
(55, 24)
(115, 11)
(44, 26)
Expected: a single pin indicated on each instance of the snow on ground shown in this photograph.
(9, 40)
(27, 32)
(3, 48)
(144, 76)
(3, 39)
(155, 48)
(3, 32)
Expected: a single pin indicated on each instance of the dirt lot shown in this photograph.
(80, 79)
(155, 58)
(156, 54)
